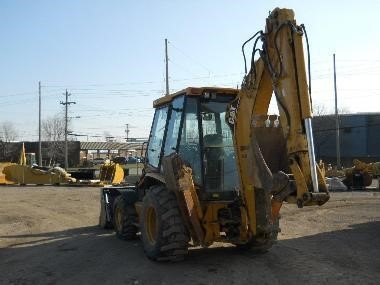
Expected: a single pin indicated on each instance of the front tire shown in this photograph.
(125, 219)
(163, 232)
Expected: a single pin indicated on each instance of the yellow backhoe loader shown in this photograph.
(217, 167)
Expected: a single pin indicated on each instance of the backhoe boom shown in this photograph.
(279, 70)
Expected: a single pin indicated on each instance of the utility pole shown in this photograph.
(336, 120)
(39, 125)
(66, 104)
(127, 131)
(167, 67)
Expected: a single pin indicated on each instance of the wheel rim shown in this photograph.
(151, 229)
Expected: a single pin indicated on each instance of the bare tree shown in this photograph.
(322, 110)
(53, 129)
(8, 131)
(319, 110)
(344, 110)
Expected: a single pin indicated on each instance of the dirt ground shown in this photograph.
(49, 235)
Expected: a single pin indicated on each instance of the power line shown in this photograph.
(190, 58)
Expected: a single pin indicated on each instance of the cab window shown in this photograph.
(172, 134)
(156, 136)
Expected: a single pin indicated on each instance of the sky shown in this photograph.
(110, 56)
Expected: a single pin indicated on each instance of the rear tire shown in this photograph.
(124, 219)
(163, 232)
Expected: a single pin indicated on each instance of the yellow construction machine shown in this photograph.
(217, 167)
(25, 172)
(361, 174)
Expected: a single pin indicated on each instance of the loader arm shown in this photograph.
(279, 70)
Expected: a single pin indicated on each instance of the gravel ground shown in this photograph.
(49, 235)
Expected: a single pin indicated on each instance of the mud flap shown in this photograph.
(105, 217)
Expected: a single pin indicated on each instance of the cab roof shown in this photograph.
(194, 91)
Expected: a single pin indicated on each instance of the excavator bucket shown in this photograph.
(111, 173)
(23, 174)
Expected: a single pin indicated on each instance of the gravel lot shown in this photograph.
(49, 235)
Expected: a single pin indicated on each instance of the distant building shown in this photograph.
(53, 152)
(359, 137)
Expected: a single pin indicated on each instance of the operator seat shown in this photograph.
(213, 162)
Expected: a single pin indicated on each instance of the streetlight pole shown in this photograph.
(336, 120)
(39, 125)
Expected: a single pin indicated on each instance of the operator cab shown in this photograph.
(193, 124)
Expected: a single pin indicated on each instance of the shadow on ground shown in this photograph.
(90, 255)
